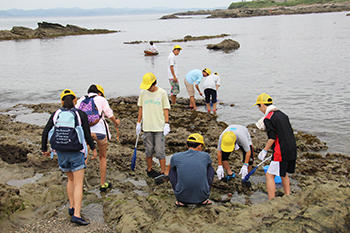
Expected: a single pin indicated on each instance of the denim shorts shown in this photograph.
(71, 161)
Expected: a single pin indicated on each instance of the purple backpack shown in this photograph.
(88, 106)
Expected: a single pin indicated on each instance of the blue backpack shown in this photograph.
(67, 135)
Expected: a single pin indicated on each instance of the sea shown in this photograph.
(302, 61)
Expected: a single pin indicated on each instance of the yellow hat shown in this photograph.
(177, 47)
(207, 70)
(263, 99)
(228, 141)
(196, 137)
(100, 89)
(66, 92)
(147, 81)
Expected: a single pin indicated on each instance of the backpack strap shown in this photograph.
(55, 116)
(77, 117)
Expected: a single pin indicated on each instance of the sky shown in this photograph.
(89, 4)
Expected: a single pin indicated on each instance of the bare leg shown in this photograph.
(226, 166)
(70, 189)
(208, 107)
(78, 177)
(193, 103)
(149, 163)
(286, 184)
(167, 169)
(103, 163)
(214, 108)
(162, 165)
(173, 99)
(270, 185)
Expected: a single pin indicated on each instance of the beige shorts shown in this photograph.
(190, 88)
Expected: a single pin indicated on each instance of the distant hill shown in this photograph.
(85, 12)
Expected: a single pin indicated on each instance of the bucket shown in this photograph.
(278, 179)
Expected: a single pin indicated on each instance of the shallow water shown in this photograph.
(20, 183)
(302, 61)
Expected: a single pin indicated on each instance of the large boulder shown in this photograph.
(225, 45)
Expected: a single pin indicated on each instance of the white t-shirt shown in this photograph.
(211, 81)
(171, 62)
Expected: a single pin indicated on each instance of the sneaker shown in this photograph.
(107, 185)
(79, 221)
(71, 211)
(229, 177)
(153, 173)
(161, 179)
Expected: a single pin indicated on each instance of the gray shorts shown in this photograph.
(154, 142)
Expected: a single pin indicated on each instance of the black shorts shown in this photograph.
(210, 93)
(287, 166)
(251, 159)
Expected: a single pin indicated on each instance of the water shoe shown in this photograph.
(79, 221)
(107, 185)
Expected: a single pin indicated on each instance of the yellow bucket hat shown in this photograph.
(147, 81)
(228, 141)
(66, 92)
(207, 70)
(100, 89)
(263, 98)
(177, 47)
(196, 137)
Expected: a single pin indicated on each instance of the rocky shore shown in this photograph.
(33, 199)
(251, 12)
(48, 30)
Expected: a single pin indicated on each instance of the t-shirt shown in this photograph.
(103, 108)
(242, 137)
(211, 81)
(153, 105)
(194, 76)
(153, 48)
(171, 62)
(192, 182)
(279, 128)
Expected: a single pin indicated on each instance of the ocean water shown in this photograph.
(302, 61)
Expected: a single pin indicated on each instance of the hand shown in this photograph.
(138, 128)
(262, 154)
(94, 154)
(244, 171)
(220, 172)
(45, 153)
(175, 79)
(166, 129)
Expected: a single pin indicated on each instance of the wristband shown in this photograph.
(245, 164)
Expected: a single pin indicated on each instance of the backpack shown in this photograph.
(89, 107)
(67, 135)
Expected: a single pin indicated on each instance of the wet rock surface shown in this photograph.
(225, 45)
(319, 201)
(251, 12)
(48, 30)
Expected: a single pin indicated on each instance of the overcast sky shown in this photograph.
(46, 4)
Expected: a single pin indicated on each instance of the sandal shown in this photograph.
(180, 204)
(206, 202)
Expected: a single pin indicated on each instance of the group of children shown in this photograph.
(79, 123)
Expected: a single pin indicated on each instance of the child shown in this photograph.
(211, 85)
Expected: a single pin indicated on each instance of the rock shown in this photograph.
(169, 17)
(348, 14)
(225, 45)
(48, 30)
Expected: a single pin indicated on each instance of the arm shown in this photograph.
(173, 73)
(139, 117)
(269, 143)
(217, 86)
(219, 158)
(45, 133)
(166, 115)
(197, 87)
(247, 156)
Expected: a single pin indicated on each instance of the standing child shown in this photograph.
(282, 141)
(211, 85)
(62, 130)
(154, 108)
(172, 74)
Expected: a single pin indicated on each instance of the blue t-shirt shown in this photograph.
(192, 182)
(194, 76)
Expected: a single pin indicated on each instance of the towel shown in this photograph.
(260, 124)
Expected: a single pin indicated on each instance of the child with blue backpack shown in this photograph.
(68, 132)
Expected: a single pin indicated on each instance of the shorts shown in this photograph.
(251, 159)
(154, 142)
(189, 87)
(210, 94)
(71, 161)
(281, 168)
(175, 87)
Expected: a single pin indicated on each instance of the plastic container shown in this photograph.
(278, 179)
